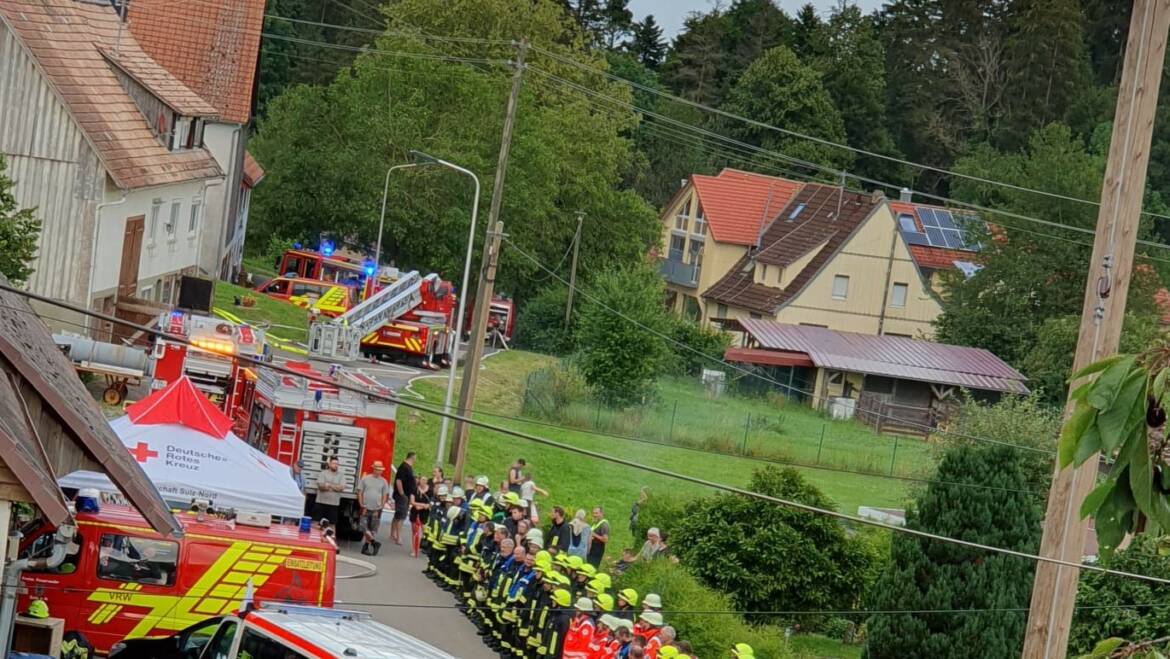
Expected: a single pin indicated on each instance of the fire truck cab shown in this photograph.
(121, 579)
(213, 361)
(282, 631)
(292, 418)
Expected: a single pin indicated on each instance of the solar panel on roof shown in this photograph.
(944, 219)
(935, 236)
(916, 238)
(927, 217)
(954, 238)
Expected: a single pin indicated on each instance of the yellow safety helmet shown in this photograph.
(743, 651)
(576, 563)
(629, 595)
(604, 602)
(560, 579)
(667, 652)
(588, 569)
(561, 598)
(603, 579)
(38, 609)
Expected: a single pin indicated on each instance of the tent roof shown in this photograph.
(181, 404)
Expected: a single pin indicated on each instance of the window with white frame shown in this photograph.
(173, 223)
(898, 299)
(196, 208)
(840, 287)
(683, 216)
(155, 211)
(700, 223)
(677, 243)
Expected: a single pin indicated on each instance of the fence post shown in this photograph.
(597, 419)
(822, 444)
(894, 456)
(747, 426)
(670, 434)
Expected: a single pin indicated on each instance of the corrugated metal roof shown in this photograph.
(890, 356)
(736, 203)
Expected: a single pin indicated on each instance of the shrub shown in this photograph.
(706, 347)
(661, 510)
(711, 635)
(549, 392)
(622, 355)
(1144, 556)
(771, 557)
(540, 323)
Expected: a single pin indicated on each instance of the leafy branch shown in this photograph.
(1117, 648)
(1121, 414)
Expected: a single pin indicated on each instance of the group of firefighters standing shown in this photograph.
(532, 599)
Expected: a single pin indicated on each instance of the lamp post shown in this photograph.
(421, 158)
(382, 220)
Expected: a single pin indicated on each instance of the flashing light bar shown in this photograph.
(211, 345)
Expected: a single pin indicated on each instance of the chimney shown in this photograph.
(906, 195)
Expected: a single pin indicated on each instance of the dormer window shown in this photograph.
(700, 223)
(186, 132)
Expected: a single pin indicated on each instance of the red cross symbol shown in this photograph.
(142, 452)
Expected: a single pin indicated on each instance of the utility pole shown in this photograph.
(1055, 587)
(482, 293)
(573, 272)
(487, 284)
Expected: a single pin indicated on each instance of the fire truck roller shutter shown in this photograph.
(321, 441)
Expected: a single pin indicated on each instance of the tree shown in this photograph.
(778, 90)
(647, 45)
(1004, 511)
(604, 22)
(851, 59)
(808, 32)
(328, 148)
(1029, 274)
(1050, 362)
(19, 232)
(1098, 615)
(1046, 68)
(773, 558)
(695, 62)
(618, 22)
(620, 335)
(540, 323)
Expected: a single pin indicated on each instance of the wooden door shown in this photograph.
(131, 255)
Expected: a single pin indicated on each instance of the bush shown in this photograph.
(549, 392)
(540, 323)
(661, 510)
(711, 635)
(707, 347)
(771, 557)
(1090, 625)
(622, 355)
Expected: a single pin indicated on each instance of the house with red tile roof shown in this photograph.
(108, 146)
(708, 225)
(212, 46)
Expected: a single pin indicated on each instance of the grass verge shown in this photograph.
(288, 321)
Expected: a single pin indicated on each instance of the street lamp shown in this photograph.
(382, 220)
(421, 158)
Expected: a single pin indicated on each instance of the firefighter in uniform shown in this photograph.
(538, 641)
(435, 523)
(627, 599)
(499, 593)
(514, 603)
(529, 600)
(560, 619)
(470, 546)
(495, 575)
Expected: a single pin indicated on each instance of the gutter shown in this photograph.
(97, 225)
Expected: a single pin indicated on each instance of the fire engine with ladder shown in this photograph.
(409, 318)
(213, 360)
(295, 417)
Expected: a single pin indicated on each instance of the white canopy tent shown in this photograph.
(184, 445)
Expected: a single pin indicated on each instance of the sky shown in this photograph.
(670, 13)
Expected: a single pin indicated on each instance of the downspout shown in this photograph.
(62, 542)
(97, 225)
(889, 276)
(238, 164)
(203, 225)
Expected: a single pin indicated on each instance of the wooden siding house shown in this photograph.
(108, 147)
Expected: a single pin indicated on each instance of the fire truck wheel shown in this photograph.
(113, 395)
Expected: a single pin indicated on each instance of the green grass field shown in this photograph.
(815, 645)
(288, 321)
(578, 481)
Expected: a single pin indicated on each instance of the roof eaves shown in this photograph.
(207, 112)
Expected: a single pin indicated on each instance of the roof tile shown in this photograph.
(737, 203)
(66, 38)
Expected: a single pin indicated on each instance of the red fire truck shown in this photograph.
(501, 319)
(213, 361)
(291, 417)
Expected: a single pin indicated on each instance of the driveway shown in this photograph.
(400, 596)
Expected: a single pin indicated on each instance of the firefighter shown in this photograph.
(652, 602)
(743, 651)
(580, 633)
(494, 577)
(546, 614)
(627, 599)
(560, 620)
(469, 548)
(582, 575)
(514, 603)
(499, 594)
(482, 492)
(529, 600)
(437, 522)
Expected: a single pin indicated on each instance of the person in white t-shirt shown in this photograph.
(528, 492)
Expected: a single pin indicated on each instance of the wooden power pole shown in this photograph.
(487, 284)
(573, 271)
(483, 294)
(1055, 587)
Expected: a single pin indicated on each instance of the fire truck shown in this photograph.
(294, 417)
(213, 360)
(408, 319)
(120, 578)
(501, 319)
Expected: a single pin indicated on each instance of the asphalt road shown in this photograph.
(399, 581)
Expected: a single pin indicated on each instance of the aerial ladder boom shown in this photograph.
(340, 338)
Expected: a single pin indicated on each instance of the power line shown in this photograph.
(392, 53)
(536, 439)
(746, 372)
(822, 141)
(392, 33)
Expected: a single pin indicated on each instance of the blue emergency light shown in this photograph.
(327, 247)
(369, 268)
